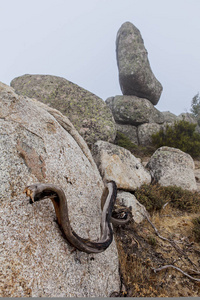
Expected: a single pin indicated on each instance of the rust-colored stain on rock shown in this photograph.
(32, 160)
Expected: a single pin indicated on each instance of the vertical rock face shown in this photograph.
(39, 144)
(135, 74)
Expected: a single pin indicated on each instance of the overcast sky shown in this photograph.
(75, 39)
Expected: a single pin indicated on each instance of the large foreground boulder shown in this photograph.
(118, 164)
(88, 113)
(39, 144)
(171, 166)
(132, 110)
(135, 74)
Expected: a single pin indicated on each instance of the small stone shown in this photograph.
(138, 210)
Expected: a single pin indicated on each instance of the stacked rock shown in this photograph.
(134, 112)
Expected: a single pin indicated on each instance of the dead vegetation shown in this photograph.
(161, 256)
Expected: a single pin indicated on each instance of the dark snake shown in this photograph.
(40, 191)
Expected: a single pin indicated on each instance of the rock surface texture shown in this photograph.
(135, 74)
(118, 164)
(129, 131)
(135, 117)
(39, 144)
(145, 132)
(138, 210)
(133, 110)
(171, 166)
(88, 113)
(169, 117)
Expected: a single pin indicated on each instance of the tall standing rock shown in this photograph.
(135, 74)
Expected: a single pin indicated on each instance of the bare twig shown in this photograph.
(191, 271)
(173, 243)
(176, 268)
(165, 205)
(156, 230)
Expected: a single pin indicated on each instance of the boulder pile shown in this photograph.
(134, 112)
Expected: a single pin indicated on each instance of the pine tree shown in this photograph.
(195, 106)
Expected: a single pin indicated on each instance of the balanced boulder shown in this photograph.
(135, 74)
(88, 113)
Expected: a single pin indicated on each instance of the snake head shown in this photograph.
(31, 192)
(39, 191)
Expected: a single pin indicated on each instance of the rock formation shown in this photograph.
(38, 143)
(139, 86)
(169, 117)
(171, 166)
(88, 113)
(137, 118)
(132, 110)
(118, 164)
(135, 75)
(145, 132)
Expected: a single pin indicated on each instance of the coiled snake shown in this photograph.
(40, 191)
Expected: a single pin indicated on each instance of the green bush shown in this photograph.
(181, 135)
(153, 197)
(123, 141)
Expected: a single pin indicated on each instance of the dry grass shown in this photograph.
(141, 250)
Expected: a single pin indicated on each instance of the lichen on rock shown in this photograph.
(88, 113)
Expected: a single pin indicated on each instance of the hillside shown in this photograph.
(167, 240)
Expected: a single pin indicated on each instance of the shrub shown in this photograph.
(181, 135)
(153, 197)
(152, 240)
(123, 141)
(196, 228)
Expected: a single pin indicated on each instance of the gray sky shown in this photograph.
(75, 39)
